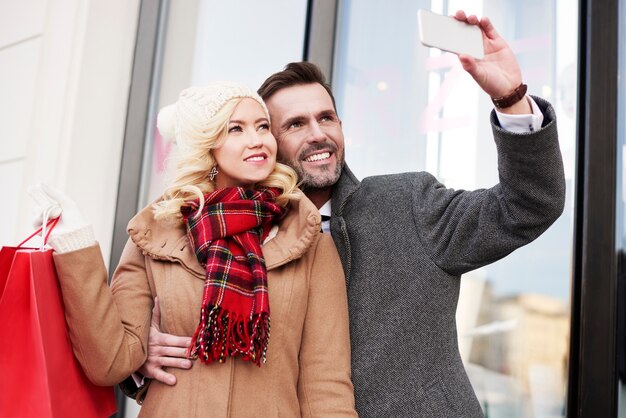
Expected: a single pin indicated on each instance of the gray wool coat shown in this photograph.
(404, 241)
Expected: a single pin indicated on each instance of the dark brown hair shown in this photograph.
(294, 74)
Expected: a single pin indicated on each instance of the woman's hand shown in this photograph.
(72, 231)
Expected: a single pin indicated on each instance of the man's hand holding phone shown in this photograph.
(497, 72)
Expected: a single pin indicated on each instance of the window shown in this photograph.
(406, 107)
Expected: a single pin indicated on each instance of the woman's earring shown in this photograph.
(213, 173)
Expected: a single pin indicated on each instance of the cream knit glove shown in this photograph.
(72, 232)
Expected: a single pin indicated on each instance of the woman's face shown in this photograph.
(248, 153)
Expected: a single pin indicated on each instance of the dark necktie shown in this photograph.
(325, 218)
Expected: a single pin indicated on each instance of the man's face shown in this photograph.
(309, 135)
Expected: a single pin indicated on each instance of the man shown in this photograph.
(405, 239)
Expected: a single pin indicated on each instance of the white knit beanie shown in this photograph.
(197, 105)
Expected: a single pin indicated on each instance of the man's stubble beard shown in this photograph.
(327, 178)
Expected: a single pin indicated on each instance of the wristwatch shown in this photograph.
(509, 100)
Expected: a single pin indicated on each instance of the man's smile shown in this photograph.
(320, 156)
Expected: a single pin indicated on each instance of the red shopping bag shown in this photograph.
(39, 375)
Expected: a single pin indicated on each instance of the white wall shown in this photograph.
(65, 68)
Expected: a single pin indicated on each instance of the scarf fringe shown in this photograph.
(223, 334)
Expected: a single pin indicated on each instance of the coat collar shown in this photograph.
(345, 186)
(164, 240)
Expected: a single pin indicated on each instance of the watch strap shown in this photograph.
(509, 100)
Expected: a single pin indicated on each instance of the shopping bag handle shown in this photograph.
(49, 226)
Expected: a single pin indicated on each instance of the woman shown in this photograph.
(199, 250)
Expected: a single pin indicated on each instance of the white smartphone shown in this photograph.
(449, 34)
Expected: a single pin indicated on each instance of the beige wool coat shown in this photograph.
(308, 359)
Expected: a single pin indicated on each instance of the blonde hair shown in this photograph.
(193, 160)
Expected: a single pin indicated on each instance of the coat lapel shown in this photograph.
(296, 233)
(343, 189)
(163, 240)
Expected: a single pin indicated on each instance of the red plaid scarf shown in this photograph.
(227, 236)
